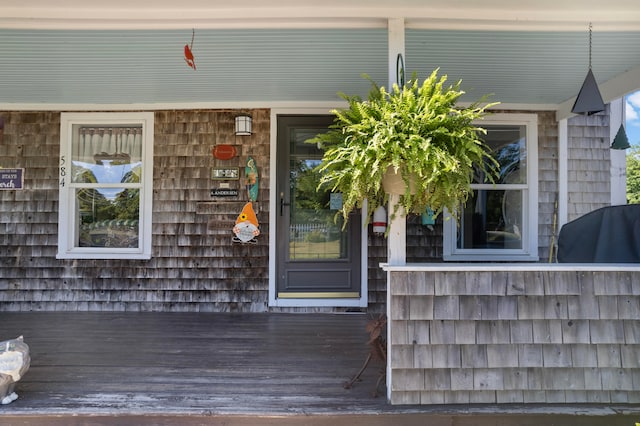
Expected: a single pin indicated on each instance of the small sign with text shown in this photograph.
(11, 179)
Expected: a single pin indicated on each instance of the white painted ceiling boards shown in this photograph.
(120, 53)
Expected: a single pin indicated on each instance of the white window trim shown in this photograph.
(529, 251)
(66, 220)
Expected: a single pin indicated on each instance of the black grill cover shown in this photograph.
(606, 235)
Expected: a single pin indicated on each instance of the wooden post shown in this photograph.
(397, 240)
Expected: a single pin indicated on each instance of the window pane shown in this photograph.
(491, 219)
(508, 144)
(108, 217)
(106, 154)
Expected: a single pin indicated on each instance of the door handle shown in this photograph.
(282, 203)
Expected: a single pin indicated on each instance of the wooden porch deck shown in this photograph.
(92, 368)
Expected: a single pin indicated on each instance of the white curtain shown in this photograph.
(113, 142)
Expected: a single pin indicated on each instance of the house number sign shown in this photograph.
(11, 179)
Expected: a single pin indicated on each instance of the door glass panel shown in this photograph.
(315, 231)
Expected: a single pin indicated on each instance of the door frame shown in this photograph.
(274, 301)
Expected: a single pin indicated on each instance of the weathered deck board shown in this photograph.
(232, 369)
(192, 363)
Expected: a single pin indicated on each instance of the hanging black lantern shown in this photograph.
(620, 141)
(589, 101)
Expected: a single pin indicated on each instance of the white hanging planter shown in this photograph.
(392, 182)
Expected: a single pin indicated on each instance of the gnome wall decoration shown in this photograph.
(247, 228)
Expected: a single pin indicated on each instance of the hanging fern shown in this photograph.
(418, 130)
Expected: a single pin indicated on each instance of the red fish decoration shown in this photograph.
(188, 54)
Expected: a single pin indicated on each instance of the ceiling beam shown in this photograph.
(541, 15)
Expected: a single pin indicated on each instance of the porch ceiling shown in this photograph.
(74, 53)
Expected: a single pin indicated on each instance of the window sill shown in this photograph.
(485, 257)
(110, 255)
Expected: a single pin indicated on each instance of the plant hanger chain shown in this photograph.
(590, 34)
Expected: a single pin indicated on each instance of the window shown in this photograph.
(105, 179)
(500, 220)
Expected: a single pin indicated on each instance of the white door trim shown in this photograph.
(273, 300)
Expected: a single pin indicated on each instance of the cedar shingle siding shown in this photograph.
(194, 264)
(589, 172)
(547, 179)
(515, 337)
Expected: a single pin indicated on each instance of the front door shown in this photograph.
(316, 258)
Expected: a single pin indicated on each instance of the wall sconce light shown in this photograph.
(589, 101)
(243, 125)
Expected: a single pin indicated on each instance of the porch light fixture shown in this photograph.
(243, 125)
(589, 101)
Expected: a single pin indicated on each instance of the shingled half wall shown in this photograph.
(514, 334)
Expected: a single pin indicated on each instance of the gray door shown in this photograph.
(315, 257)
